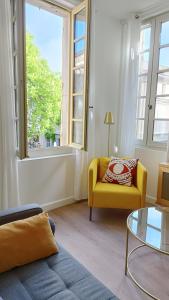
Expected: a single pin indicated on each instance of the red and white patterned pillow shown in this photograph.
(121, 171)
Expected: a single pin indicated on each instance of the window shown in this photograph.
(50, 70)
(153, 88)
(78, 71)
(46, 47)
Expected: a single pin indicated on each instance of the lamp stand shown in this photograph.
(108, 121)
(108, 145)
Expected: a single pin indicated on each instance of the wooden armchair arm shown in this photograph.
(92, 179)
(142, 182)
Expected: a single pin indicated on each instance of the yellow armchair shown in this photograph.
(114, 195)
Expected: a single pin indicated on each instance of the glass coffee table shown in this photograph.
(151, 227)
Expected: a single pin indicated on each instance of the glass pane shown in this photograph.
(142, 87)
(165, 33)
(154, 219)
(80, 24)
(161, 130)
(141, 105)
(163, 84)
(145, 39)
(79, 52)
(162, 108)
(78, 107)
(14, 28)
(78, 80)
(15, 69)
(44, 57)
(79, 47)
(134, 226)
(17, 133)
(140, 129)
(164, 59)
(77, 132)
(16, 103)
(135, 214)
(144, 63)
(153, 237)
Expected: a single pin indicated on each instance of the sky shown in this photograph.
(164, 40)
(47, 30)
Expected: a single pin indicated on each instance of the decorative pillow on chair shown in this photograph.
(25, 241)
(121, 171)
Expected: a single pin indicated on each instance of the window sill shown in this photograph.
(49, 153)
(153, 148)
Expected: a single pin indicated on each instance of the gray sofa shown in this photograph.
(58, 277)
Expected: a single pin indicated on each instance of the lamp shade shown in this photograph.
(109, 118)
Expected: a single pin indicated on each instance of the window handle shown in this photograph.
(150, 106)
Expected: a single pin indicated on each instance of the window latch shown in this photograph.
(150, 106)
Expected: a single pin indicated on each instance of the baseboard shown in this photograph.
(70, 200)
(57, 203)
(151, 199)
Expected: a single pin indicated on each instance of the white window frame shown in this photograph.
(148, 23)
(152, 82)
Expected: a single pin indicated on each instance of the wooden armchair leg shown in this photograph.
(90, 214)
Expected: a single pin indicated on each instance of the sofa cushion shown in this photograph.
(58, 277)
(30, 239)
(122, 196)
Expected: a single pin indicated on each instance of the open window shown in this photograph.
(51, 68)
(79, 76)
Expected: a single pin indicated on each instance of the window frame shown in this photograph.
(159, 20)
(152, 83)
(147, 23)
(84, 5)
(22, 152)
(18, 31)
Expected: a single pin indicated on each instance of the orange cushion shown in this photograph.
(25, 241)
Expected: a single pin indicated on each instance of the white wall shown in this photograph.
(104, 78)
(47, 181)
(151, 159)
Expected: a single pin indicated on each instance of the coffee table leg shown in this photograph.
(127, 242)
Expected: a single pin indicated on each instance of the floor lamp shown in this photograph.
(108, 121)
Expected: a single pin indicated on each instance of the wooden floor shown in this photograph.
(100, 247)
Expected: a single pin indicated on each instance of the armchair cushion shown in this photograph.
(25, 241)
(115, 195)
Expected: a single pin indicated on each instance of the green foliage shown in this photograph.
(44, 93)
(49, 135)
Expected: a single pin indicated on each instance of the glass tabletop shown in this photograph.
(151, 226)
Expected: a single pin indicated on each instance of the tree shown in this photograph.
(44, 93)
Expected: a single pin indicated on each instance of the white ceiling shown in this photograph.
(121, 8)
